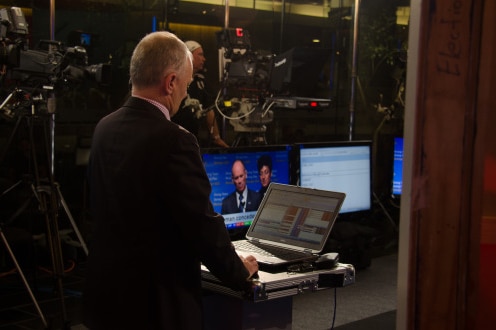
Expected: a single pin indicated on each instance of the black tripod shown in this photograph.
(44, 190)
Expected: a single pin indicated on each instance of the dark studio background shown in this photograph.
(115, 28)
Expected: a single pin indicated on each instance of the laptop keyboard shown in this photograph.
(270, 251)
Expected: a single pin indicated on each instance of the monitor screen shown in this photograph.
(397, 178)
(275, 166)
(86, 39)
(339, 166)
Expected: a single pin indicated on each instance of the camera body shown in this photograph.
(245, 78)
(36, 75)
(242, 68)
(12, 25)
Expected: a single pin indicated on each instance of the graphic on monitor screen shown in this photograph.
(339, 166)
(264, 164)
(397, 180)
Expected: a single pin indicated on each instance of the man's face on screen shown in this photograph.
(239, 176)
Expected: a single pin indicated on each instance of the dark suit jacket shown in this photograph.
(230, 203)
(154, 224)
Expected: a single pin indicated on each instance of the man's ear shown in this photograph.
(170, 81)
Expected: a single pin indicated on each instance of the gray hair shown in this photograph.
(156, 55)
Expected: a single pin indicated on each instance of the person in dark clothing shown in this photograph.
(149, 196)
(242, 199)
(264, 165)
(193, 113)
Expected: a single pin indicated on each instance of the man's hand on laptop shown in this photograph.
(251, 265)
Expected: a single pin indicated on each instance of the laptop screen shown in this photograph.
(296, 216)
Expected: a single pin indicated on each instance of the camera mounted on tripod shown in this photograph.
(245, 76)
(37, 74)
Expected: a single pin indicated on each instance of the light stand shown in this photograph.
(388, 113)
(354, 71)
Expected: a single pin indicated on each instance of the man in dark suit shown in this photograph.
(241, 199)
(149, 194)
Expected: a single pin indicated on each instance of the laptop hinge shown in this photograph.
(307, 251)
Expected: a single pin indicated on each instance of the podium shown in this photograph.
(269, 305)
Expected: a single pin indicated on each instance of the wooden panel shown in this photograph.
(483, 287)
(445, 130)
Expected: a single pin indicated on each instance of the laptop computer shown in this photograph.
(291, 226)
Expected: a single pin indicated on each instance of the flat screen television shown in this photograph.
(218, 163)
(397, 175)
(339, 166)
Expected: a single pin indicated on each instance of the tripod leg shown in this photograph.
(56, 248)
(391, 221)
(71, 219)
(5, 192)
(236, 141)
(23, 278)
(48, 207)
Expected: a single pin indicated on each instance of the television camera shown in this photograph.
(29, 80)
(244, 75)
(34, 76)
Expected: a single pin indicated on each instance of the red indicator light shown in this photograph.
(239, 32)
(313, 104)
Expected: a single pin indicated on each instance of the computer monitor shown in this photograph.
(339, 166)
(218, 163)
(397, 175)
